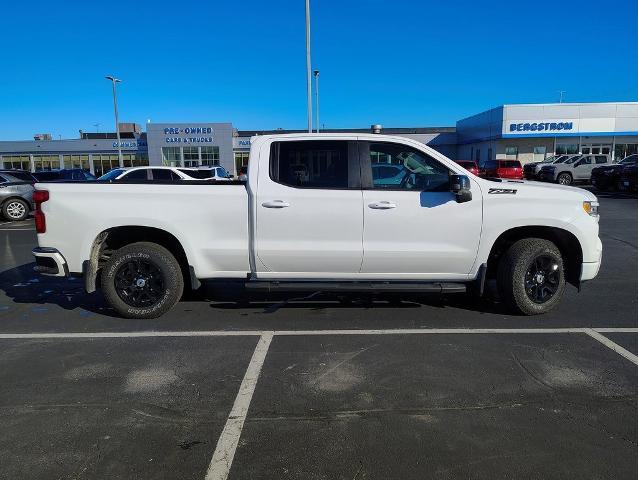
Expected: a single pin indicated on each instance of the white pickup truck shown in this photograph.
(322, 212)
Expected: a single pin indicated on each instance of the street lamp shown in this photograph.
(316, 74)
(117, 121)
(308, 68)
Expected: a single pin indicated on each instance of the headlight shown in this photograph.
(591, 208)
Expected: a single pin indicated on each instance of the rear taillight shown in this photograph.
(39, 197)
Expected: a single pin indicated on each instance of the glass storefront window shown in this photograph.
(172, 156)
(567, 149)
(241, 160)
(210, 156)
(140, 160)
(20, 162)
(191, 156)
(77, 161)
(622, 150)
(511, 153)
(104, 163)
(46, 162)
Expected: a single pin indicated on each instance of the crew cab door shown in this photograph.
(413, 226)
(309, 220)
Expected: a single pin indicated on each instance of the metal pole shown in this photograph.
(316, 72)
(308, 68)
(117, 120)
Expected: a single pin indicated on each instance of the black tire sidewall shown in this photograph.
(163, 260)
(6, 206)
(512, 270)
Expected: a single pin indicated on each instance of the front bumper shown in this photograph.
(48, 261)
(589, 270)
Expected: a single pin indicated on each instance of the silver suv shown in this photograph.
(16, 197)
(576, 168)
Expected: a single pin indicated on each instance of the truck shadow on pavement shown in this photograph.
(22, 285)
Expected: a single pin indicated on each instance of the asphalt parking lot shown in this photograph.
(308, 387)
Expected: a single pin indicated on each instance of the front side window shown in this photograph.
(163, 174)
(310, 164)
(141, 174)
(407, 169)
(601, 159)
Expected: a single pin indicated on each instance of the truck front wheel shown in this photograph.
(531, 277)
(142, 280)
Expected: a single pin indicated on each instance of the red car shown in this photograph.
(469, 165)
(511, 169)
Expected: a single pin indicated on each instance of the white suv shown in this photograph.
(575, 169)
(166, 174)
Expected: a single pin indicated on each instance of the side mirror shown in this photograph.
(460, 187)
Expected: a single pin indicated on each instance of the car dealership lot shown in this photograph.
(408, 388)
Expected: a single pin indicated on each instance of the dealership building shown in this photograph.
(523, 132)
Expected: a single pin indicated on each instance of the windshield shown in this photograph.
(630, 159)
(112, 175)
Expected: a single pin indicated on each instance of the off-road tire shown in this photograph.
(159, 257)
(512, 269)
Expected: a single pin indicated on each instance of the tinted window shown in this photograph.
(201, 174)
(163, 174)
(112, 175)
(141, 174)
(407, 169)
(24, 176)
(491, 164)
(3, 179)
(571, 160)
(601, 159)
(310, 164)
(221, 172)
(510, 164)
(44, 176)
(585, 161)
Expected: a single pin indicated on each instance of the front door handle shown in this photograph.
(382, 205)
(275, 204)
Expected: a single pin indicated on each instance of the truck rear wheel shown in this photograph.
(531, 277)
(142, 280)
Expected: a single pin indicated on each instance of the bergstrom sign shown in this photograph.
(541, 127)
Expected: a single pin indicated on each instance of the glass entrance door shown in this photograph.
(596, 149)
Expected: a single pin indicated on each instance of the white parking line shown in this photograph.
(613, 345)
(222, 460)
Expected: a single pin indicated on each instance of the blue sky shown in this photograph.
(399, 63)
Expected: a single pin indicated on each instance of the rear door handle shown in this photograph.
(275, 204)
(382, 205)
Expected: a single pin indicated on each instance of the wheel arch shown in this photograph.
(568, 244)
(114, 238)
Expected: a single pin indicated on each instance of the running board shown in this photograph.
(355, 287)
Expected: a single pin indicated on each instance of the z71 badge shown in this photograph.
(502, 191)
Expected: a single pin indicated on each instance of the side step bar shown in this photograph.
(352, 287)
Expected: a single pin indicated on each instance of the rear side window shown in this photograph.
(136, 175)
(162, 174)
(510, 164)
(22, 176)
(310, 164)
(601, 159)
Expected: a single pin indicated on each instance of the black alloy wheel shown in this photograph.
(139, 283)
(542, 279)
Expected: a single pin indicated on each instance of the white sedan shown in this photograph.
(167, 173)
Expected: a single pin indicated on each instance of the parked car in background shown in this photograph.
(608, 177)
(162, 174)
(511, 169)
(530, 170)
(469, 165)
(576, 168)
(16, 197)
(629, 178)
(24, 175)
(207, 173)
(64, 174)
(388, 174)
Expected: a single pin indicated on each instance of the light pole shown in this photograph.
(308, 68)
(117, 120)
(316, 73)
(562, 92)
